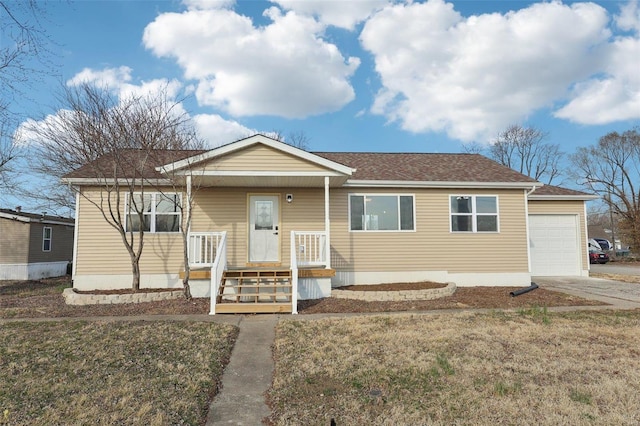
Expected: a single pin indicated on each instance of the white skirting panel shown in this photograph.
(116, 282)
(33, 271)
(314, 288)
(504, 279)
(494, 279)
(308, 288)
(343, 278)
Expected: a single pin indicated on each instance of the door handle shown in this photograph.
(275, 233)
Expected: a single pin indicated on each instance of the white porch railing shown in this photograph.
(217, 269)
(203, 248)
(310, 248)
(294, 274)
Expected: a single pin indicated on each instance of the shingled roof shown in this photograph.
(400, 167)
(551, 190)
(131, 163)
(423, 167)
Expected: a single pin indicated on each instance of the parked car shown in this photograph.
(604, 244)
(598, 256)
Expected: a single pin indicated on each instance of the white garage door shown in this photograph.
(553, 241)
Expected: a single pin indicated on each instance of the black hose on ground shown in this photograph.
(515, 293)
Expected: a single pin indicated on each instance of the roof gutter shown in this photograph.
(438, 184)
(24, 219)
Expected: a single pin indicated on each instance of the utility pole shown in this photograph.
(613, 233)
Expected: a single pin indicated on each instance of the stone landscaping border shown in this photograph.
(79, 299)
(395, 296)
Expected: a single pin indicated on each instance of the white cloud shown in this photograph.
(611, 98)
(629, 17)
(119, 81)
(217, 131)
(343, 14)
(108, 77)
(282, 69)
(207, 4)
(214, 129)
(615, 94)
(473, 76)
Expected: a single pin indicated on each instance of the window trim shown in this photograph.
(45, 239)
(152, 214)
(474, 214)
(374, 194)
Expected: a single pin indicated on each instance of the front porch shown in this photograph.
(258, 290)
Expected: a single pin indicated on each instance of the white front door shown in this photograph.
(264, 225)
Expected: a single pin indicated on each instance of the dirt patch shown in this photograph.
(633, 279)
(425, 285)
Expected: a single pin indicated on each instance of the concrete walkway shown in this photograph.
(248, 375)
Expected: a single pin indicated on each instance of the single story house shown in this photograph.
(268, 213)
(34, 246)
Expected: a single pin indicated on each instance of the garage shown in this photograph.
(554, 244)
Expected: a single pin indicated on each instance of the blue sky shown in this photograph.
(364, 75)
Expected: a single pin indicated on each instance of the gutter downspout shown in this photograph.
(526, 215)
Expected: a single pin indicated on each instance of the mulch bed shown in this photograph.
(48, 302)
(463, 298)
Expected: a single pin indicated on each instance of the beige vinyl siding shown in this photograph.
(61, 243)
(432, 246)
(261, 158)
(101, 250)
(225, 209)
(14, 241)
(565, 207)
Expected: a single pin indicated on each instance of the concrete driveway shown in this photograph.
(621, 295)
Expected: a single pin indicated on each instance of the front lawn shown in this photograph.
(151, 373)
(526, 367)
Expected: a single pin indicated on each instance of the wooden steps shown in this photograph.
(255, 291)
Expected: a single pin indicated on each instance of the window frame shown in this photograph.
(474, 214)
(397, 195)
(45, 239)
(154, 198)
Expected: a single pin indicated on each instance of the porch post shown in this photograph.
(327, 225)
(188, 206)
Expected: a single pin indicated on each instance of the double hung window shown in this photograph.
(160, 212)
(381, 212)
(474, 213)
(47, 235)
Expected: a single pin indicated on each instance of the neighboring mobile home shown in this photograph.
(34, 246)
(262, 207)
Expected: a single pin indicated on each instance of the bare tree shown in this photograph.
(611, 169)
(25, 55)
(474, 148)
(523, 149)
(298, 139)
(116, 143)
(25, 51)
(8, 154)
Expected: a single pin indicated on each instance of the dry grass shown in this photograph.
(633, 279)
(152, 373)
(526, 367)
